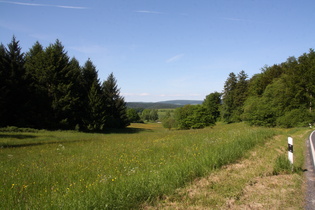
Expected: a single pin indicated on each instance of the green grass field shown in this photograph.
(162, 112)
(74, 170)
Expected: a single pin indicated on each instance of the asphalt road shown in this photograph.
(310, 173)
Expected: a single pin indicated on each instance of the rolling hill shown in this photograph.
(162, 104)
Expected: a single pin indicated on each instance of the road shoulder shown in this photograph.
(246, 184)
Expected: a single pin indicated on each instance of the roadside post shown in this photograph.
(290, 149)
(312, 147)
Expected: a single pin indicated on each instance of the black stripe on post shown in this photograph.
(290, 148)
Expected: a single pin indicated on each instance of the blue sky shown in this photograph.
(166, 49)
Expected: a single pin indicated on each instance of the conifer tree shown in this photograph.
(228, 98)
(59, 84)
(89, 74)
(46, 89)
(115, 104)
(89, 80)
(3, 86)
(14, 85)
(77, 90)
(234, 96)
(240, 95)
(35, 65)
(96, 116)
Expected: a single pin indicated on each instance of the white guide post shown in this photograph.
(290, 149)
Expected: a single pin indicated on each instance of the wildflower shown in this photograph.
(61, 147)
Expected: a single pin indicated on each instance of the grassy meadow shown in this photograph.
(118, 170)
(162, 112)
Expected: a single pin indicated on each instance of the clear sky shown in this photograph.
(166, 49)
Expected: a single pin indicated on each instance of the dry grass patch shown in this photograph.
(270, 192)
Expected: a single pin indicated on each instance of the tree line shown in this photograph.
(45, 89)
(281, 95)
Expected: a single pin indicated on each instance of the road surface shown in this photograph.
(310, 173)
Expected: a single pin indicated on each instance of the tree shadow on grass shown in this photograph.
(29, 144)
(127, 130)
(17, 136)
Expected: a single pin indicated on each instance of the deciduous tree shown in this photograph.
(133, 115)
(213, 103)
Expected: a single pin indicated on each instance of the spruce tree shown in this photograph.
(228, 98)
(59, 84)
(77, 90)
(3, 87)
(115, 104)
(240, 95)
(89, 74)
(15, 85)
(89, 77)
(35, 65)
(96, 116)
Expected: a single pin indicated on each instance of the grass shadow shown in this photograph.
(24, 145)
(17, 136)
(128, 130)
(6, 145)
(37, 143)
(120, 131)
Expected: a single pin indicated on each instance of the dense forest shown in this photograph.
(281, 95)
(44, 88)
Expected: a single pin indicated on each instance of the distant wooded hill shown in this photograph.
(162, 104)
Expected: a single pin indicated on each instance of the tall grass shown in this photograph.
(116, 171)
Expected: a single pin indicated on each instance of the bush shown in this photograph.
(198, 126)
(194, 117)
(296, 117)
(169, 123)
(283, 166)
(133, 116)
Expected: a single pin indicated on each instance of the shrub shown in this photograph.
(169, 123)
(194, 117)
(296, 117)
(133, 116)
(17, 129)
(282, 166)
